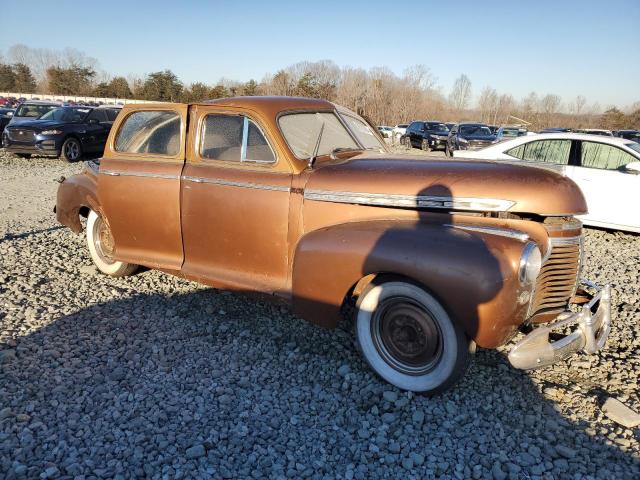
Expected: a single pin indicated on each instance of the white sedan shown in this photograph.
(607, 169)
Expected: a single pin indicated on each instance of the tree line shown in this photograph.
(376, 93)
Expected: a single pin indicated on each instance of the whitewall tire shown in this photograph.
(100, 243)
(408, 338)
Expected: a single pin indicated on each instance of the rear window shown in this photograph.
(155, 132)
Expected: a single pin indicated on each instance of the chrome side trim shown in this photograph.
(503, 232)
(410, 201)
(114, 173)
(93, 166)
(231, 183)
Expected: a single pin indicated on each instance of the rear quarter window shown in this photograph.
(154, 132)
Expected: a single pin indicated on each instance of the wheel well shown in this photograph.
(351, 298)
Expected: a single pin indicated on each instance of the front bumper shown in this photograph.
(590, 329)
(435, 142)
(43, 147)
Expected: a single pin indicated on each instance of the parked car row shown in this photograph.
(67, 132)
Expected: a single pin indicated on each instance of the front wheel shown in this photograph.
(71, 150)
(101, 247)
(408, 338)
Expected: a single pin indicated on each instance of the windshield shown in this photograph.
(301, 131)
(66, 114)
(437, 127)
(363, 132)
(633, 146)
(474, 130)
(33, 111)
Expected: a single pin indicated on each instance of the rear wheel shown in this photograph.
(408, 338)
(71, 150)
(101, 247)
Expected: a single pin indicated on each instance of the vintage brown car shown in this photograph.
(300, 199)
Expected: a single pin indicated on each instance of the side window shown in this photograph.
(112, 113)
(154, 132)
(543, 151)
(97, 114)
(606, 157)
(258, 150)
(517, 152)
(234, 138)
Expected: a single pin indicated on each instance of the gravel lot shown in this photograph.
(153, 376)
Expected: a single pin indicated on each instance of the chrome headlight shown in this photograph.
(530, 264)
(463, 140)
(51, 132)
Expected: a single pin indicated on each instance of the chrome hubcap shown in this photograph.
(406, 336)
(103, 241)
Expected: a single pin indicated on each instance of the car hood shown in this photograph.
(22, 121)
(489, 138)
(39, 124)
(415, 182)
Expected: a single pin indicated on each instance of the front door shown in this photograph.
(608, 189)
(235, 202)
(139, 185)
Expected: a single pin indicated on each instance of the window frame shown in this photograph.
(573, 157)
(333, 111)
(243, 147)
(579, 156)
(121, 120)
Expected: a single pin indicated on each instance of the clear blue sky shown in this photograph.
(564, 47)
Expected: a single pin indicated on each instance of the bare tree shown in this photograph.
(549, 106)
(460, 93)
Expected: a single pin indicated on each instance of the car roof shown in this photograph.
(274, 102)
(566, 136)
(40, 102)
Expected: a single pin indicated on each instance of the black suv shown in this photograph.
(65, 132)
(469, 136)
(427, 135)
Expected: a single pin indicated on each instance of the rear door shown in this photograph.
(139, 184)
(611, 193)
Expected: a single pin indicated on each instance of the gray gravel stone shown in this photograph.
(620, 413)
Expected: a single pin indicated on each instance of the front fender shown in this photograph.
(74, 193)
(473, 274)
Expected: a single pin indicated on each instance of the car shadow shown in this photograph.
(151, 376)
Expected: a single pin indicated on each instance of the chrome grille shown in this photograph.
(21, 134)
(557, 281)
(479, 143)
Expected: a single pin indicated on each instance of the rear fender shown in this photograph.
(74, 193)
(474, 275)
